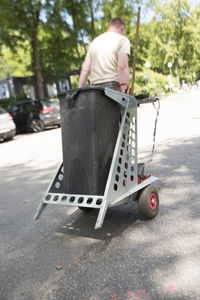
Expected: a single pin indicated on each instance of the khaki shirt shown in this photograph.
(103, 52)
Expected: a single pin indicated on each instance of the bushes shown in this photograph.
(155, 84)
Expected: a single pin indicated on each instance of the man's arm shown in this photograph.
(123, 70)
(85, 71)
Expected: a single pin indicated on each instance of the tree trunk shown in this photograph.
(92, 19)
(37, 68)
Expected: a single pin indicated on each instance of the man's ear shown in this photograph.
(122, 29)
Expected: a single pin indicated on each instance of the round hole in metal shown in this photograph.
(115, 187)
(124, 183)
(57, 185)
(117, 177)
(89, 200)
(72, 199)
(124, 136)
(48, 197)
(99, 201)
(60, 177)
(120, 160)
(64, 198)
(80, 200)
(123, 144)
(129, 140)
(118, 169)
(126, 165)
(132, 178)
(125, 174)
(121, 152)
(55, 198)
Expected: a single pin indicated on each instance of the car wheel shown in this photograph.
(9, 139)
(148, 202)
(37, 125)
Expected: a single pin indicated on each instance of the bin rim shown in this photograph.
(73, 92)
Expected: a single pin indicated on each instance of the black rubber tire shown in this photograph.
(148, 202)
(86, 209)
(9, 139)
(37, 125)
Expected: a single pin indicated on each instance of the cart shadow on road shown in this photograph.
(117, 220)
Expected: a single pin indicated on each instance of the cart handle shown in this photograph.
(121, 84)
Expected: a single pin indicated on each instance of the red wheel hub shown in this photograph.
(153, 201)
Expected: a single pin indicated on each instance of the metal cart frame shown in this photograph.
(123, 181)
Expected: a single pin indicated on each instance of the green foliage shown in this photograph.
(172, 38)
(6, 69)
(19, 24)
(155, 85)
(52, 37)
(15, 63)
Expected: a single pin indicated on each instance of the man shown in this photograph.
(107, 58)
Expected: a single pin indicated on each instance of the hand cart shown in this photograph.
(126, 181)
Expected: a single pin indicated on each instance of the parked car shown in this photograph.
(7, 126)
(35, 115)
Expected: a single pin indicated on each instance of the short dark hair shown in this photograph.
(117, 22)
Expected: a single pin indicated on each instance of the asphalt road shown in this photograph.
(128, 258)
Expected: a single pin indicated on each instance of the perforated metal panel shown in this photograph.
(55, 195)
(123, 174)
(74, 200)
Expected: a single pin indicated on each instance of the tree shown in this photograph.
(171, 36)
(193, 31)
(69, 26)
(19, 23)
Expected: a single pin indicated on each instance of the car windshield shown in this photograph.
(13, 108)
(51, 103)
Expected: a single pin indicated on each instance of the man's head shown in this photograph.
(117, 25)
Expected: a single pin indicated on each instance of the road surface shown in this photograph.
(128, 258)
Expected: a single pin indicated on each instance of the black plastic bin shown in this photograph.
(90, 125)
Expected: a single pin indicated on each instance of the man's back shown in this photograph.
(107, 57)
(104, 51)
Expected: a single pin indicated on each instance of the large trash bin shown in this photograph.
(90, 126)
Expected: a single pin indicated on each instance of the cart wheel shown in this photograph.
(85, 209)
(148, 202)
